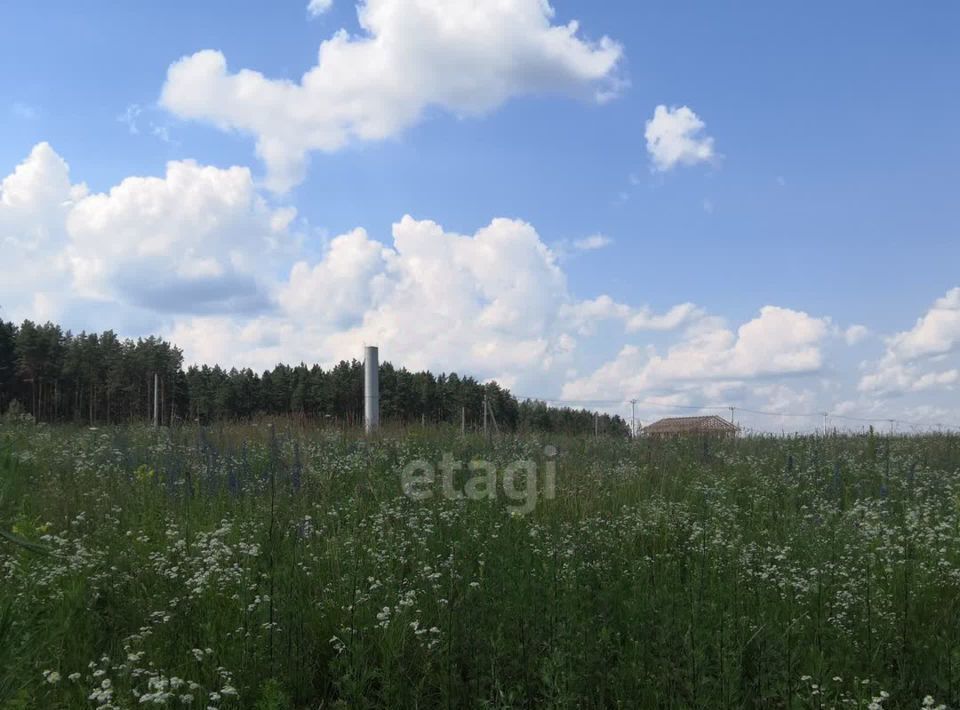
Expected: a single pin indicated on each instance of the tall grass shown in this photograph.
(274, 567)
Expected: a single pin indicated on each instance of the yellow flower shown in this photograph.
(143, 473)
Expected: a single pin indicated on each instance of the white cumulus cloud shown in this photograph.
(676, 136)
(201, 256)
(778, 342)
(459, 55)
(34, 202)
(197, 239)
(937, 332)
(490, 303)
(489, 300)
(924, 357)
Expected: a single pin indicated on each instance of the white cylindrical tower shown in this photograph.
(371, 388)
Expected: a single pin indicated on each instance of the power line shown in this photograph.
(781, 414)
(633, 401)
(623, 402)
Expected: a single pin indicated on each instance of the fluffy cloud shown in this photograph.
(465, 57)
(201, 256)
(34, 198)
(856, 334)
(936, 333)
(339, 289)
(315, 8)
(778, 342)
(34, 202)
(490, 303)
(199, 239)
(675, 136)
(895, 378)
(923, 357)
(494, 303)
(586, 314)
(645, 319)
(196, 240)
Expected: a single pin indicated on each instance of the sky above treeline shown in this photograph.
(747, 205)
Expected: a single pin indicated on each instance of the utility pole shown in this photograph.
(893, 429)
(596, 425)
(484, 416)
(156, 399)
(732, 412)
(633, 418)
(825, 415)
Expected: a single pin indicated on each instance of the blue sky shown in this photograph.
(829, 192)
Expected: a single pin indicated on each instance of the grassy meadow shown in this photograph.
(269, 566)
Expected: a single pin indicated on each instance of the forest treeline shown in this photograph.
(99, 378)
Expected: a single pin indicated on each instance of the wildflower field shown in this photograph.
(269, 566)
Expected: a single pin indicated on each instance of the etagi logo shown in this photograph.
(519, 480)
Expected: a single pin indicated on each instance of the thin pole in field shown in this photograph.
(463, 421)
(633, 417)
(493, 418)
(156, 399)
(484, 416)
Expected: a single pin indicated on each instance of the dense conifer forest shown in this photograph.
(100, 378)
